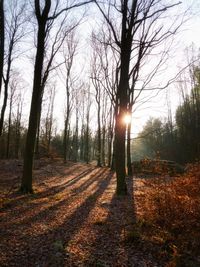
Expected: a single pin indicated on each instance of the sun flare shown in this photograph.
(127, 118)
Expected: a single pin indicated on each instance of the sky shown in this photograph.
(156, 106)
(189, 34)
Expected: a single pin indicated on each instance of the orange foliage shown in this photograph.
(172, 204)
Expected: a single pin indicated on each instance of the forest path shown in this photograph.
(73, 219)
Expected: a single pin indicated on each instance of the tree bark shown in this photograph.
(9, 126)
(6, 84)
(129, 167)
(26, 183)
(99, 136)
(120, 129)
(2, 40)
(17, 130)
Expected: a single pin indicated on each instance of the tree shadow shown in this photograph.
(47, 249)
(108, 249)
(50, 191)
(38, 215)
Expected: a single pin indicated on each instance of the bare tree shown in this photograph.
(69, 52)
(14, 32)
(76, 127)
(44, 21)
(48, 120)
(12, 93)
(103, 83)
(18, 123)
(87, 126)
(52, 48)
(96, 77)
(136, 35)
(2, 41)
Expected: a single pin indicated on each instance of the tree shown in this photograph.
(44, 22)
(69, 54)
(96, 77)
(135, 36)
(18, 124)
(49, 121)
(86, 125)
(188, 121)
(53, 45)
(153, 136)
(12, 93)
(14, 32)
(178, 140)
(103, 75)
(2, 40)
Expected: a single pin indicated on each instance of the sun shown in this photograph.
(127, 119)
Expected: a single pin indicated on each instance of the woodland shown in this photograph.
(77, 186)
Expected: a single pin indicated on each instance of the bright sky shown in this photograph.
(156, 107)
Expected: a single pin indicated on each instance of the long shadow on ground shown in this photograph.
(46, 249)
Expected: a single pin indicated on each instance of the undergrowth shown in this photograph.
(172, 213)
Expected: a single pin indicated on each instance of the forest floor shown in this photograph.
(74, 219)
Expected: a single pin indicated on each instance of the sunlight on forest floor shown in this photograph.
(75, 219)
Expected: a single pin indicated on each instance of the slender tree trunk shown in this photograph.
(113, 165)
(103, 145)
(65, 137)
(82, 141)
(87, 142)
(110, 137)
(2, 39)
(129, 166)
(17, 138)
(37, 145)
(11, 43)
(99, 137)
(113, 158)
(9, 127)
(26, 184)
(76, 138)
(50, 120)
(6, 86)
(3, 109)
(65, 141)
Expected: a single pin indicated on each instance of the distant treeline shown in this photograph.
(178, 140)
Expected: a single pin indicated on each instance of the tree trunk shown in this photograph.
(86, 157)
(17, 137)
(3, 109)
(65, 137)
(9, 127)
(65, 142)
(99, 137)
(6, 85)
(26, 184)
(113, 165)
(129, 167)
(120, 129)
(110, 138)
(2, 38)
(37, 146)
(103, 145)
(120, 154)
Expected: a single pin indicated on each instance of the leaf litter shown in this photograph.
(73, 219)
